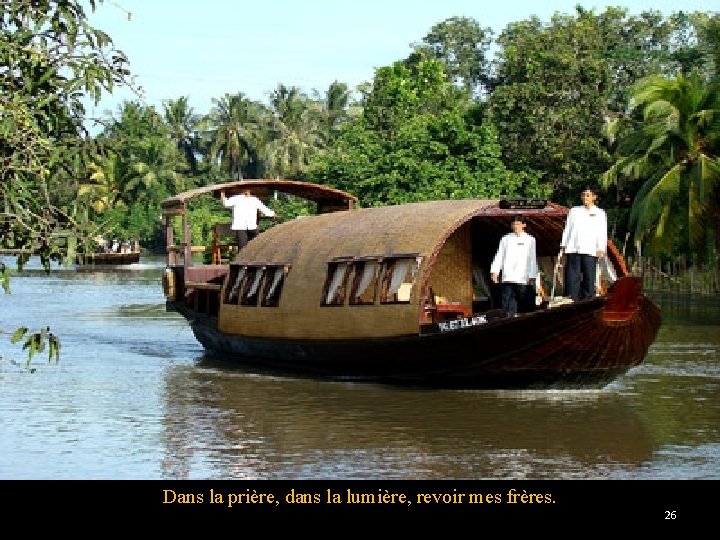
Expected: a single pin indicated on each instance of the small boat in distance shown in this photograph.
(401, 295)
(123, 253)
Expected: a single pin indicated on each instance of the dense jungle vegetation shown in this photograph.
(627, 102)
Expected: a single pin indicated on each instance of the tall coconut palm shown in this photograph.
(296, 133)
(183, 124)
(102, 190)
(674, 150)
(152, 174)
(147, 164)
(236, 133)
(333, 109)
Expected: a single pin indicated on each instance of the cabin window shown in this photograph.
(274, 281)
(481, 290)
(251, 286)
(358, 280)
(398, 276)
(237, 277)
(364, 282)
(336, 283)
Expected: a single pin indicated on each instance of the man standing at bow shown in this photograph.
(584, 241)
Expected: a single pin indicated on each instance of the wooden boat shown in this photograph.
(399, 295)
(127, 254)
(109, 259)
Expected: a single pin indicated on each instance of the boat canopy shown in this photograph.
(420, 227)
(408, 253)
(327, 198)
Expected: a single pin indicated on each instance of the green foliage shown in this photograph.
(462, 46)
(548, 102)
(5, 278)
(206, 211)
(446, 122)
(417, 140)
(560, 85)
(142, 164)
(287, 208)
(36, 342)
(237, 129)
(54, 59)
(183, 125)
(671, 146)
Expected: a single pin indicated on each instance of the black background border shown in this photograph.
(667, 503)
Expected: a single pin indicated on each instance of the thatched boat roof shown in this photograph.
(420, 227)
(438, 232)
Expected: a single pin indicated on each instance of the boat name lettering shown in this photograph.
(465, 322)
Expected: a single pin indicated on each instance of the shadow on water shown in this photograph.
(250, 425)
(660, 420)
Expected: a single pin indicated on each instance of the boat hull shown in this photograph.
(568, 347)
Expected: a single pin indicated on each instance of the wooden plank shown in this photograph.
(203, 285)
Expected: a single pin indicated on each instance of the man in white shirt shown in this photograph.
(245, 215)
(584, 241)
(516, 262)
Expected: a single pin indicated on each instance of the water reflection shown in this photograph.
(680, 310)
(226, 423)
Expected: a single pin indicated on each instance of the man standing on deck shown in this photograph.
(245, 208)
(584, 241)
(516, 262)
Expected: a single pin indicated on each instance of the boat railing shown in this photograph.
(220, 250)
(196, 287)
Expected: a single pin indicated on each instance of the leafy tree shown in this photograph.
(418, 138)
(462, 46)
(102, 190)
(559, 85)
(142, 165)
(53, 59)
(36, 342)
(710, 42)
(335, 109)
(548, 102)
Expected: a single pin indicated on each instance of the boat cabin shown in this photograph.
(356, 273)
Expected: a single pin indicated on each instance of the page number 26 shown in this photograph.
(670, 514)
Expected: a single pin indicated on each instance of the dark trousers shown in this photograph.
(244, 236)
(580, 276)
(517, 298)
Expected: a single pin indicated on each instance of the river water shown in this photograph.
(133, 397)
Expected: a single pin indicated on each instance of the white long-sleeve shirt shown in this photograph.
(585, 231)
(515, 259)
(245, 209)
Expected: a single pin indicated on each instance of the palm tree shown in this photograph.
(183, 124)
(102, 191)
(333, 109)
(237, 134)
(148, 162)
(674, 150)
(151, 173)
(296, 134)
